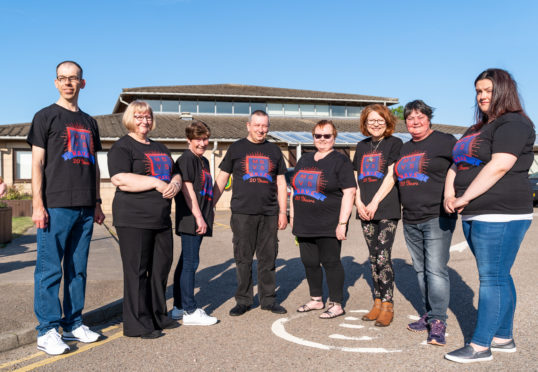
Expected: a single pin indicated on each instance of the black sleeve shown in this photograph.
(281, 166)
(511, 138)
(226, 164)
(356, 159)
(96, 137)
(119, 160)
(187, 168)
(39, 131)
(395, 151)
(346, 177)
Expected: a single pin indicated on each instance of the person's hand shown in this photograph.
(341, 232)
(361, 209)
(282, 221)
(459, 204)
(161, 186)
(40, 217)
(371, 209)
(202, 226)
(171, 190)
(448, 204)
(98, 215)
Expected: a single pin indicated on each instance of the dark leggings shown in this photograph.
(379, 237)
(323, 251)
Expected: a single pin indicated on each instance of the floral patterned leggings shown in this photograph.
(379, 236)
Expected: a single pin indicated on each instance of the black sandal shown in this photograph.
(305, 309)
(331, 315)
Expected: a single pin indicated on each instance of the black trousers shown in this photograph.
(323, 251)
(255, 234)
(147, 257)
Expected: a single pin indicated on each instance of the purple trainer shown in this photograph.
(420, 325)
(437, 333)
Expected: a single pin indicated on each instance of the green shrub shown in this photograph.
(15, 193)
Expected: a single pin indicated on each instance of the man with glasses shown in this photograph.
(259, 198)
(65, 188)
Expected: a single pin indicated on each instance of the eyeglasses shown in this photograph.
(142, 117)
(65, 79)
(379, 122)
(320, 136)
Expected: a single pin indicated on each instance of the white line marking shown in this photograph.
(342, 337)
(356, 326)
(358, 311)
(460, 247)
(413, 317)
(351, 318)
(424, 342)
(279, 330)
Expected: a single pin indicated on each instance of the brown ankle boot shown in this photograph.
(385, 316)
(376, 309)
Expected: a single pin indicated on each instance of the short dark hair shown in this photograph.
(197, 129)
(69, 62)
(418, 105)
(258, 113)
(322, 123)
(504, 98)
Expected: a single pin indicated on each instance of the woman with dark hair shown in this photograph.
(194, 220)
(141, 169)
(488, 185)
(421, 171)
(378, 205)
(322, 201)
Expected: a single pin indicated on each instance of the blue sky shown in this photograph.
(431, 50)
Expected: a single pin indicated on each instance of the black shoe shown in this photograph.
(468, 355)
(171, 325)
(275, 308)
(156, 333)
(239, 309)
(507, 347)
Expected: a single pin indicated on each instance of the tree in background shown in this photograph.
(398, 112)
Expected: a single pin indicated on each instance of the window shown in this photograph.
(23, 164)
(170, 106)
(322, 110)
(206, 107)
(354, 111)
(241, 108)
(176, 155)
(257, 106)
(308, 110)
(188, 106)
(291, 109)
(338, 111)
(102, 160)
(274, 109)
(155, 104)
(224, 108)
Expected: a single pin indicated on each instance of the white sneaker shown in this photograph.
(198, 317)
(82, 334)
(176, 313)
(51, 343)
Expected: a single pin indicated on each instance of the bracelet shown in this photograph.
(175, 183)
(342, 223)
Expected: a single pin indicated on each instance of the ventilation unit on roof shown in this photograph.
(185, 116)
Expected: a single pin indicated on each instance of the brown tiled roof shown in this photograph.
(171, 126)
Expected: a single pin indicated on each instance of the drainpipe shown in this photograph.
(215, 145)
(122, 101)
(298, 151)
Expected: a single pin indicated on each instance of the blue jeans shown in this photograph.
(66, 237)
(429, 246)
(185, 271)
(495, 246)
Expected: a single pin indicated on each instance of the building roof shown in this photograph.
(171, 127)
(239, 92)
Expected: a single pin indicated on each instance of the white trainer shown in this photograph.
(51, 343)
(82, 334)
(198, 317)
(176, 313)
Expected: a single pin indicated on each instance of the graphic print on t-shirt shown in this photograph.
(464, 150)
(78, 145)
(257, 168)
(411, 167)
(159, 165)
(207, 185)
(371, 165)
(310, 183)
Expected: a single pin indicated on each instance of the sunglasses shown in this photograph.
(320, 136)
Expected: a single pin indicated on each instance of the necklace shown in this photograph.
(374, 148)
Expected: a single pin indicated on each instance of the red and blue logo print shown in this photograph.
(159, 165)
(463, 150)
(310, 183)
(411, 166)
(370, 166)
(207, 185)
(257, 166)
(78, 144)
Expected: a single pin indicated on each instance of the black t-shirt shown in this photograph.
(421, 170)
(70, 140)
(254, 167)
(513, 134)
(317, 198)
(371, 162)
(196, 170)
(146, 209)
